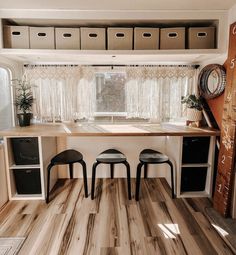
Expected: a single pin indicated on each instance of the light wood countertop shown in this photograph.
(109, 130)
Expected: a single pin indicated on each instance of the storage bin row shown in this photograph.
(28, 181)
(24, 37)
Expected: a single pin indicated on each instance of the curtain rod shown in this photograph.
(71, 65)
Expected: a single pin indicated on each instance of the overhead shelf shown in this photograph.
(108, 57)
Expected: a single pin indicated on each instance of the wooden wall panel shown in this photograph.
(226, 162)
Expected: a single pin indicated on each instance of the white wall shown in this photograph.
(232, 15)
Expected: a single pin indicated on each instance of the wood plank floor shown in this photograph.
(113, 225)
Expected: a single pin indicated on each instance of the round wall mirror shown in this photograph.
(211, 81)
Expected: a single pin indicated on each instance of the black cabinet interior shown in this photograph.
(27, 181)
(25, 150)
(193, 179)
(195, 150)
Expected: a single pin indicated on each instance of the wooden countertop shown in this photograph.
(109, 130)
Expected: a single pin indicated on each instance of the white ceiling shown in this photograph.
(119, 5)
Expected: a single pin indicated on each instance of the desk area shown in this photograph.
(109, 130)
(174, 140)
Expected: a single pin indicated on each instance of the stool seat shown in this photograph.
(67, 157)
(149, 156)
(152, 157)
(111, 156)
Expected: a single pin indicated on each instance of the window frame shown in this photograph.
(12, 93)
(110, 114)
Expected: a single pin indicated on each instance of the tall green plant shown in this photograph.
(24, 96)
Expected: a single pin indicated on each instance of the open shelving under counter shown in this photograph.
(190, 149)
(194, 161)
(26, 161)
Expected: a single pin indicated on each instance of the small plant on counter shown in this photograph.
(24, 101)
(193, 102)
(194, 108)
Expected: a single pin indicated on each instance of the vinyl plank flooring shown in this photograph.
(195, 230)
(212, 236)
(160, 220)
(154, 245)
(112, 225)
(226, 228)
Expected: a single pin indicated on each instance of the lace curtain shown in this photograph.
(64, 93)
(155, 92)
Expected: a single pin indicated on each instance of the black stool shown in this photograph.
(68, 157)
(111, 157)
(149, 156)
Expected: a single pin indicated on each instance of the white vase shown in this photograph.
(194, 114)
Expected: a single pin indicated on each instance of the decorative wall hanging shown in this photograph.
(212, 80)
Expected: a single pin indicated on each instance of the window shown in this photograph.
(82, 93)
(110, 94)
(5, 100)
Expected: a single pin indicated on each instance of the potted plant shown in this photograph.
(24, 101)
(194, 107)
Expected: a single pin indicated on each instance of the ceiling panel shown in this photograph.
(119, 5)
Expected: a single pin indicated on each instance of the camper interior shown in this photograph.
(117, 127)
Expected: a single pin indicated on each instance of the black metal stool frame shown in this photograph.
(138, 176)
(112, 175)
(49, 168)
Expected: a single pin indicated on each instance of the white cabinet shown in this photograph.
(26, 177)
(194, 164)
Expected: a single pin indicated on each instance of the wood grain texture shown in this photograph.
(226, 162)
(113, 225)
(108, 130)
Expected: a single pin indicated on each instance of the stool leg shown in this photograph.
(112, 170)
(85, 178)
(128, 179)
(93, 179)
(138, 179)
(48, 181)
(172, 178)
(145, 170)
(71, 170)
